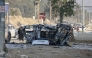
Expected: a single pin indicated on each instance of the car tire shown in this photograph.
(8, 37)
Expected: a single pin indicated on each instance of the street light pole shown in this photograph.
(38, 9)
(35, 4)
(89, 17)
(7, 13)
(50, 12)
(89, 13)
(82, 16)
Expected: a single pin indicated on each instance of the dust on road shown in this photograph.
(43, 51)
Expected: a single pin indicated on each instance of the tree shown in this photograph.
(62, 8)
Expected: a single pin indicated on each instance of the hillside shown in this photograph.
(22, 11)
(16, 21)
(26, 8)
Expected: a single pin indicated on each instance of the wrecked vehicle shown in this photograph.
(58, 34)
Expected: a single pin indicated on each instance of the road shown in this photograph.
(43, 51)
(47, 51)
(87, 35)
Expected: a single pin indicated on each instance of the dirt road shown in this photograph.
(43, 51)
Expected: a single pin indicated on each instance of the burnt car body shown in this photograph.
(58, 34)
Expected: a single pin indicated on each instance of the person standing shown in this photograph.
(77, 29)
(20, 33)
(24, 31)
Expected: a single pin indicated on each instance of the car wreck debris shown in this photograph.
(58, 34)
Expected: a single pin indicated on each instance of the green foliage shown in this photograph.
(56, 4)
(63, 7)
(54, 1)
(68, 8)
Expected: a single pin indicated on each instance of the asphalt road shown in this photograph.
(87, 35)
(43, 51)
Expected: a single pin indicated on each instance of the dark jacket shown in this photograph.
(20, 33)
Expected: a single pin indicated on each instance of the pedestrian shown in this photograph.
(77, 29)
(20, 33)
(24, 31)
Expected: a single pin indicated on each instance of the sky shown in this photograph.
(86, 2)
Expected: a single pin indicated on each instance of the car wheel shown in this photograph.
(8, 38)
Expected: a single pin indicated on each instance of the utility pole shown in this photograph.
(89, 17)
(82, 16)
(89, 13)
(7, 13)
(2, 24)
(50, 12)
(37, 8)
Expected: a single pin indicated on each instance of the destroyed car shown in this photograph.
(58, 34)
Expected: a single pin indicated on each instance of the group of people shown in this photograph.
(21, 33)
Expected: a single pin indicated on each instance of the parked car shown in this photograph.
(7, 36)
(12, 30)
